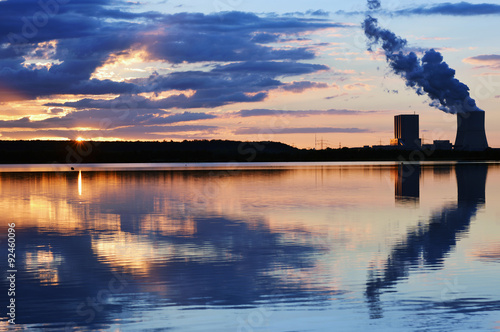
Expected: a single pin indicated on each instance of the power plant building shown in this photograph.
(406, 132)
(471, 135)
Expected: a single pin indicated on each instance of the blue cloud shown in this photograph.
(453, 9)
(300, 113)
(90, 33)
(108, 119)
(447, 8)
(300, 130)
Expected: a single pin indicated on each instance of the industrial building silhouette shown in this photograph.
(471, 135)
(406, 131)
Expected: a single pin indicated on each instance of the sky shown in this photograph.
(291, 71)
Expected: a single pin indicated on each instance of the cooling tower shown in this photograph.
(470, 132)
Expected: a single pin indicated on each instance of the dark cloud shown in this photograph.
(265, 38)
(487, 57)
(75, 38)
(446, 9)
(82, 41)
(269, 112)
(71, 77)
(311, 130)
(318, 12)
(273, 68)
(208, 97)
(337, 96)
(297, 87)
(107, 119)
(225, 84)
(90, 33)
(55, 111)
(452, 9)
(229, 36)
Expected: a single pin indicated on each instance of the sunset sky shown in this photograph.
(233, 69)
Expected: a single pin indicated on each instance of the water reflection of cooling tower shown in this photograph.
(407, 187)
(427, 245)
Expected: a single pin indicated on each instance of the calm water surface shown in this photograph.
(260, 247)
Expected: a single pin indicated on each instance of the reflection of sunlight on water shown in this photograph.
(80, 183)
(44, 264)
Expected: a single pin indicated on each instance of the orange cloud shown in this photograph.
(357, 86)
(491, 61)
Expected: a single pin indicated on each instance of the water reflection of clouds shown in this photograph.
(238, 248)
(487, 253)
(139, 225)
(44, 265)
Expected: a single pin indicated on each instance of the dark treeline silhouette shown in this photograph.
(209, 151)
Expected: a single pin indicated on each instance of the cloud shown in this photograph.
(269, 112)
(274, 68)
(452, 9)
(235, 54)
(86, 35)
(318, 12)
(106, 119)
(55, 110)
(337, 96)
(229, 36)
(298, 87)
(204, 98)
(357, 86)
(225, 84)
(136, 132)
(81, 42)
(491, 61)
(306, 130)
(447, 8)
(265, 38)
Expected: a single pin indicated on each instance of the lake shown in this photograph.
(253, 247)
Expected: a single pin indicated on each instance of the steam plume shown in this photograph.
(429, 75)
(373, 4)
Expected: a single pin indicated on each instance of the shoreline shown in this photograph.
(214, 151)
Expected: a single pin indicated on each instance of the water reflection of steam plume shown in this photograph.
(428, 245)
